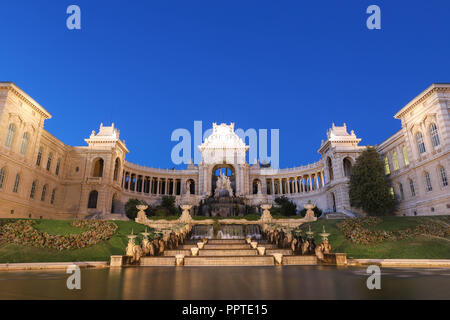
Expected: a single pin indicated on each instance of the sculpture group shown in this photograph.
(156, 247)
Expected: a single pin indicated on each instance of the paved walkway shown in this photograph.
(52, 265)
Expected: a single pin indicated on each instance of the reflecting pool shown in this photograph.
(205, 283)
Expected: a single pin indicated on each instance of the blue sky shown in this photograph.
(155, 66)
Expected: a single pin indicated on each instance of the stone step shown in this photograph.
(285, 252)
(173, 253)
(157, 261)
(227, 246)
(230, 261)
(226, 241)
(299, 260)
(228, 252)
(336, 215)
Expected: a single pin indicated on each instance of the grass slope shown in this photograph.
(421, 247)
(12, 253)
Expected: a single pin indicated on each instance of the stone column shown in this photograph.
(273, 186)
(321, 177)
(157, 186)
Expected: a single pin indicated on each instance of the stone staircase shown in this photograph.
(227, 252)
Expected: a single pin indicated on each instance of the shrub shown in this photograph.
(286, 206)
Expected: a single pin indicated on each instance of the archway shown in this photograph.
(347, 163)
(227, 170)
(97, 170)
(330, 168)
(93, 197)
(115, 204)
(333, 201)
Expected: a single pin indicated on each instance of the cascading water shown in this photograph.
(200, 232)
(227, 231)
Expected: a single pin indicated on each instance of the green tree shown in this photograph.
(168, 203)
(317, 212)
(130, 208)
(286, 206)
(369, 185)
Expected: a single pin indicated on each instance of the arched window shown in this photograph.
(428, 186)
(52, 199)
(330, 168)
(93, 197)
(10, 135)
(444, 180)
(44, 192)
(58, 166)
(387, 169)
(116, 169)
(33, 189)
(400, 188)
(434, 135)
(2, 177)
(420, 142)
(98, 168)
(39, 156)
(49, 161)
(115, 204)
(24, 145)
(405, 156)
(16, 183)
(347, 167)
(395, 160)
(411, 187)
(255, 186)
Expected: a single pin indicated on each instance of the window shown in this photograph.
(429, 187)
(395, 160)
(443, 176)
(420, 143)
(10, 135)
(2, 177)
(116, 169)
(92, 203)
(400, 187)
(44, 193)
(405, 156)
(16, 183)
(387, 169)
(24, 145)
(411, 187)
(391, 191)
(434, 135)
(39, 156)
(52, 199)
(98, 168)
(49, 161)
(58, 165)
(33, 190)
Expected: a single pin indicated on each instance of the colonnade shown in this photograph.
(296, 185)
(133, 182)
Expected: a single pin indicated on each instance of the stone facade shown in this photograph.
(42, 177)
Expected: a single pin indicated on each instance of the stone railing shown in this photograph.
(185, 218)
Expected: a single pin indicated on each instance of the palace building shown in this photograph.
(42, 177)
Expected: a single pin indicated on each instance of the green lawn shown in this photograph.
(422, 247)
(418, 247)
(12, 253)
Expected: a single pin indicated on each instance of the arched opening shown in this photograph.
(347, 167)
(257, 186)
(115, 204)
(190, 186)
(116, 169)
(98, 168)
(330, 168)
(93, 197)
(333, 201)
(227, 170)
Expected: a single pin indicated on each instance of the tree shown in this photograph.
(369, 185)
(130, 208)
(168, 203)
(286, 206)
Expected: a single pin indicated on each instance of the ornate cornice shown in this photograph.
(434, 88)
(10, 86)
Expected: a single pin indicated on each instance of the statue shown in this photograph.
(134, 251)
(147, 246)
(258, 185)
(188, 187)
(319, 252)
(223, 184)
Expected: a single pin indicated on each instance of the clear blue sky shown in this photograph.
(154, 66)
